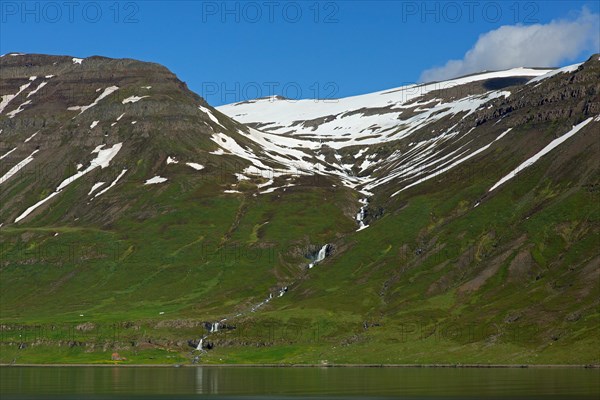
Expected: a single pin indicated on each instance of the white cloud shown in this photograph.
(539, 45)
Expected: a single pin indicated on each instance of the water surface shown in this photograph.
(281, 383)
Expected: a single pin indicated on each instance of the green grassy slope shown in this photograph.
(435, 279)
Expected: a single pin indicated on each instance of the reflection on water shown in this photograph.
(262, 383)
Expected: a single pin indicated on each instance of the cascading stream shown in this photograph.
(360, 217)
(214, 326)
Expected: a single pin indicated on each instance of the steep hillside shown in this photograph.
(452, 222)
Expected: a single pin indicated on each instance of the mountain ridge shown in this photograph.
(374, 225)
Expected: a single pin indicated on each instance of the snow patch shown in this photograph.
(20, 165)
(532, 160)
(563, 70)
(503, 134)
(210, 115)
(18, 110)
(102, 160)
(268, 183)
(196, 166)
(360, 153)
(155, 180)
(272, 189)
(8, 97)
(453, 163)
(113, 183)
(133, 99)
(31, 137)
(93, 124)
(34, 91)
(96, 186)
(106, 92)
(8, 153)
(33, 207)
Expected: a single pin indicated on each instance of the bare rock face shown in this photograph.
(563, 96)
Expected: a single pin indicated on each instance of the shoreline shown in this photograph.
(480, 366)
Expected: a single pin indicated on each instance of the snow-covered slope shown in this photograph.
(336, 137)
(347, 119)
(384, 142)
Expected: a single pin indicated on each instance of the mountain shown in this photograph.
(447, 222)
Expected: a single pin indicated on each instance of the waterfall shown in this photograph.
(213, 327)
(360, 217)
(320, 256)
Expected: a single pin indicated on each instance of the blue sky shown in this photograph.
(231, 51)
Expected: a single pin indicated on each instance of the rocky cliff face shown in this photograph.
(568, 95)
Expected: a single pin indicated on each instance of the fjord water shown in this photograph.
(279, 383)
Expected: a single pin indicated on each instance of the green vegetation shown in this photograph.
(491, 284)
(447, 272)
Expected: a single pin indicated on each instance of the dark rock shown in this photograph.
(573, 317)
(512, 318)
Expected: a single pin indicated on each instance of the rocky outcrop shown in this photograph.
(564, 96)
